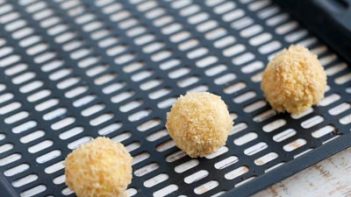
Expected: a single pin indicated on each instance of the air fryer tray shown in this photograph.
(74, 70)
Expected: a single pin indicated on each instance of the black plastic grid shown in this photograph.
(73, 70)
(334, 14)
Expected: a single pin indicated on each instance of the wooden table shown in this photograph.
(330, 177)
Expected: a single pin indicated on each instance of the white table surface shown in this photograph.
(330, 177)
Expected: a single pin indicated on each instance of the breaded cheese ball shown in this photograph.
(100, 168)
(199, 123)
(294, 80)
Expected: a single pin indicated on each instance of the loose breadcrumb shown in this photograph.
(100, 168)
(199, 123)
(294, 80)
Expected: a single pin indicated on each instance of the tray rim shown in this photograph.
(292, 167)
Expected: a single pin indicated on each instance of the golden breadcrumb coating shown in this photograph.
(100, 168)
(199, 123)
(294, 80)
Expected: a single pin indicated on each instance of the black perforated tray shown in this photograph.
(73, 70)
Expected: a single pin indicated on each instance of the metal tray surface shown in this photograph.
(73, 70)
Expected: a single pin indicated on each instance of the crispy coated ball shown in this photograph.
(100, 168)
(199, 123)
(294, 80)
